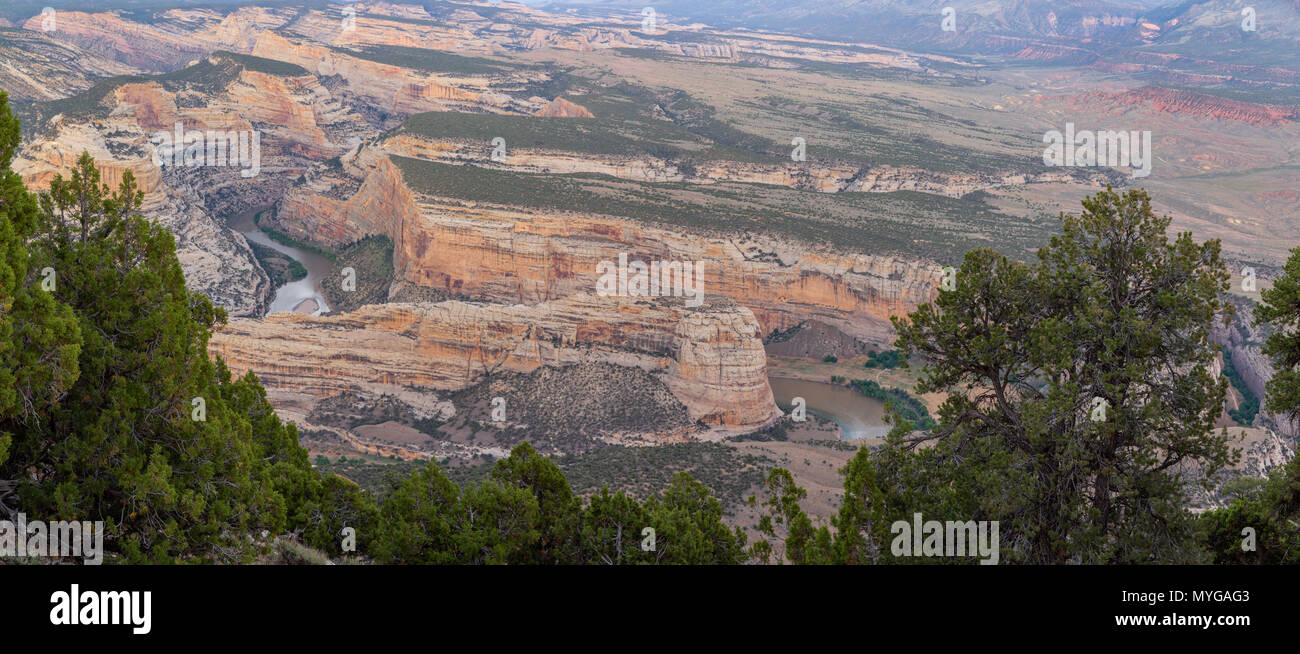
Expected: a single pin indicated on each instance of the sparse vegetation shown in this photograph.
(280, 267)
(371, 260)
(902, 402)
(904, 221)
(886, 360)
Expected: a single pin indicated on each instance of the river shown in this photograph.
(292, 296)
(857, 415)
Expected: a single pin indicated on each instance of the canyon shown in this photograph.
(491, 284)
(516, 255)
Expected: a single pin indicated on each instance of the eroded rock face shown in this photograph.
(140, 45)
(1184, 103)
(397, 91)
(1262, 450)
(508, 255)
(298, 124)
(1242, 340)
(710, 358)
(36, 66)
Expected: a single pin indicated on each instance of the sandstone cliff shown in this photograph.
(143, 46)
(710, 358)
(517, 255)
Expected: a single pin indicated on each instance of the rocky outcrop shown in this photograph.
(143, 46)
(297, 120)
(332, 27)
(710, 358)
(561, 108)
(1262, 450)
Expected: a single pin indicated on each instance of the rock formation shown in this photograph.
(561, 108)
(509, 255)
(710, 358)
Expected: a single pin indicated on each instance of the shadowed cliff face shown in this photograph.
(711, 358)
(1242, 340)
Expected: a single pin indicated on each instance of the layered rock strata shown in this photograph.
(516, 255)
(710, 358)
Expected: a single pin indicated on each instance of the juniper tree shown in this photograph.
(1280, 308)
(688, 526)
(559, 509)
(153, 437)
(1079, 391)
(40, 339)
(611, 528)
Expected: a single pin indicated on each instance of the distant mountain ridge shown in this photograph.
(1211, 27)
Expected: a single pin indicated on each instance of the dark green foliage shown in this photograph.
(830, 358)
(280, 267)
(689, 528)
(898, 400)
(887, 359)
(1271, 508)
(783, 520)
(557, 507)
(780, 336)
(263, 65)
(285, 239)
(420, 517)
(120, 415)
(427, 60)
(860, 525)
(40, 340)
(126, 443)
(1249, 406)
(525, 512)
(1280, 308)
(371, 261)
(1113, 309)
